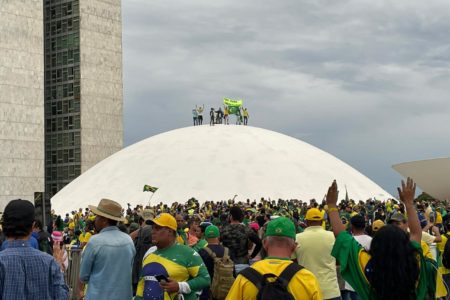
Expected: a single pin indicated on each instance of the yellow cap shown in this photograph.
(313, 214)
(165, 220)
(377, 224)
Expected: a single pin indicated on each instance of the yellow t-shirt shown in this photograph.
(440, 246)
(303, 285)
(85, 237)
(438, 218)
(441, 291)
(313, 251)
(426, 250)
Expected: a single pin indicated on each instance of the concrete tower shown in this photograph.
(60, 92)
(83, 87)
(21, 100)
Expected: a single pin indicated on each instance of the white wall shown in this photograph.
(21, 99)
(101, 80)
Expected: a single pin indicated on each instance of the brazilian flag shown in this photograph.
(149, 188)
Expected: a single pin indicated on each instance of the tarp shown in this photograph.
(432, 175)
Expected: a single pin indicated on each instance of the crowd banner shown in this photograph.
(232, 103)
(73, 273)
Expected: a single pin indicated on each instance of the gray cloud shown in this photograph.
(367, 81)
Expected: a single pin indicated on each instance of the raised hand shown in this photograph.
(407, 192)
(332, 194)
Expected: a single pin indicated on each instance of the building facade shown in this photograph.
(21, 100)
(60, 92)
(83, 87)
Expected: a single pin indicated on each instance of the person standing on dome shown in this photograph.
(200, 110)
(246, 116)
(226, 113)
(219, 114)
(212, 116)
(195, 116)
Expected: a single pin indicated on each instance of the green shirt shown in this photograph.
(349, 253)
(200, 245)
(178, 262)
(182, 237)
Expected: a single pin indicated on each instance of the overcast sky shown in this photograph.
(367, 81)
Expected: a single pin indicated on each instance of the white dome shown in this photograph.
(215, 163)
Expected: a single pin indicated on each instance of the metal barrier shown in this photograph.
(72, 275)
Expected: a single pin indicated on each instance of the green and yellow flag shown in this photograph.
(232, 103)
(149, 188)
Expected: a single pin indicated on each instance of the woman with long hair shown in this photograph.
(394, 268)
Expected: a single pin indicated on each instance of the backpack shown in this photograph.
(223, 277)
(446, 253)
(272, 289)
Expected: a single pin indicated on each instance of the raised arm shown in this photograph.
(406, 194)
(333, 212)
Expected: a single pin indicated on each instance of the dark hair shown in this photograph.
(59, 222)
(123, 228)
(38, 224)
(18, 218)
(236, 213)
(447, 225)
(260, 220)
(112, 222)
(395, 269)
(358, 222)
(89, 225)
(192, 221)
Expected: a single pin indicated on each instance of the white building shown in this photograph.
(60, 92)
(21, 100)
(215, 163)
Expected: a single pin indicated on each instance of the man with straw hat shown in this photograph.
(108, 257)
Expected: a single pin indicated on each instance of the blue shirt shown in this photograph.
(27, 273)
(32, 240)
(106, 264)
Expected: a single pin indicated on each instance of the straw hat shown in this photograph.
(109, 209)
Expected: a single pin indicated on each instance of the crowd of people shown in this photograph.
(220, 116)
(290, 249)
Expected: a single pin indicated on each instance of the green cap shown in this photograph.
(281, 226)
(212, 232)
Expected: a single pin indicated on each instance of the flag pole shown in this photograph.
(150, 199)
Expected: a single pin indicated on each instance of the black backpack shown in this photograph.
(275, 289)
(446, 253)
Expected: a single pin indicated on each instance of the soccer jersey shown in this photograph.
(177, 262)
(354, 262)
(303, 285)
